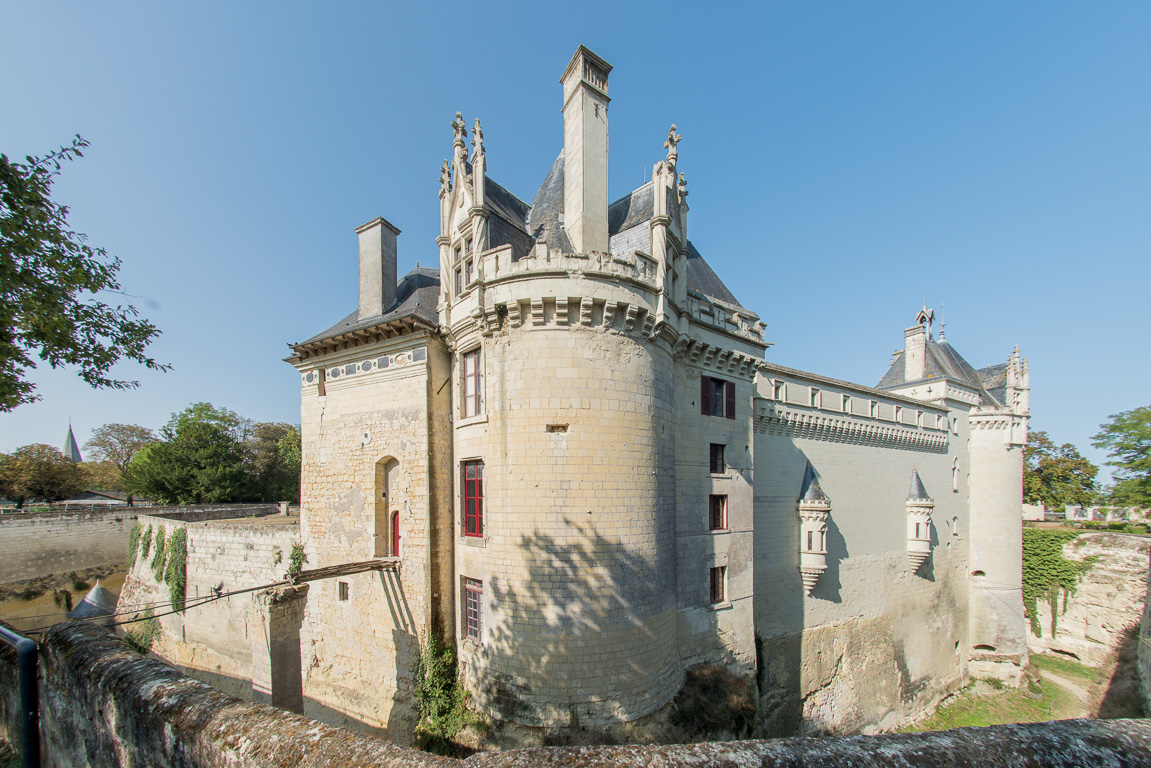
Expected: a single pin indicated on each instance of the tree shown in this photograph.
(118, 443)
(101, 476)
(51, 282)
(1056, 476)
(38, 471)
(199, 460)
(274, 453)
(1126, 437)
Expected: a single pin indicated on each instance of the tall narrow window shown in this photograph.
(474, 610)
(718, 588)
(718, 465)
(459, 280)
(777, 390)
(343, 590)
(468, 246)
(459, 253)
(815, 399)
(899, 414)
(717, 397)
(472, 382)
(473, 486)
(874, 409)
(847, 403)
(468, 272)
(717, 515)
(396, 534)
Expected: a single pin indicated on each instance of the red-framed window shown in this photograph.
(717, 512)
(472, 480)
(718, 584)
(472, 383)
(474, 610)
(718, 465)
(717, 397)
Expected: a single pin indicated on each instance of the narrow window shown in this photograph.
(718, 465)
(919, 418)
(898, 414)
(323, 378)
(474, 610)
(472, 384)
(777, 390)
(917, 530)
(815, 400)
(717, 517)
(468, 246)
(468, 272)
(847, 403)
(718, 576)
(459, 253)
(473, 483)
(459, 280)
(717, 397)
(874, 409)
(396, 534)
(343, 588)
(810, 541)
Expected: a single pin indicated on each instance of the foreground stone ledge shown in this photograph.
(105, 705)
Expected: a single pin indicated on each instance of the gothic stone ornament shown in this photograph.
(814, 510)
(919, 507)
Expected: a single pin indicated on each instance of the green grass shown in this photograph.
(1066, 667)
(1049, 702)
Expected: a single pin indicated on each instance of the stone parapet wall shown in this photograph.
(148, 714)
(37, 544)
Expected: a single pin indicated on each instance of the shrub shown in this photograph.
(297, 559)
(146, 543)
(713, 703)
(440, 699)
(134, 544)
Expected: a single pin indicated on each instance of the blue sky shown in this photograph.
(845, 161)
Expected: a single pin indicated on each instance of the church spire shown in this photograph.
(71, 450)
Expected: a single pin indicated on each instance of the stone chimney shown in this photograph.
(585, 151)
(914, 353)
(377, 267)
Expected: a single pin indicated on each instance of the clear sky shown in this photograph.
(845, 161)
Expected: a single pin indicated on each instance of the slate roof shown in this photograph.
(943, 361)
(71, 450)
(810, 491)
(917, 492)
(994, 379)
(543, 221)
(702, 279)
(98, 602)
(416, 296)
(631, 209)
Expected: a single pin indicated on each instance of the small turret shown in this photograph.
(814, 510)
(919, 507)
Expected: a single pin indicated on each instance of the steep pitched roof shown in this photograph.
(416, 296)
(942, 362)
(810, 491)
(702, 279)
(71, 450)
(917, 491)
(543, 221)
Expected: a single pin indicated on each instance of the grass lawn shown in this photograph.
(1039, 701)
(1049, 662)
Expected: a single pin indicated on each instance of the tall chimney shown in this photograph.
(585, 151)
(914, 353)
(377, 266)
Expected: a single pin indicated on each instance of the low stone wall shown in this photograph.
(1145, 648)
(37, 544)
(1109, 599)
(104, 705)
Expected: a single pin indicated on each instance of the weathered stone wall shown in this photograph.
(1145, 646)
(875, 642)
(37, 544)
(10, 728)
(212, 641)
(1110, 598)
(105, 706)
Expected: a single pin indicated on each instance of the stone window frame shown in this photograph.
(472, 516)
(471, 400)
(343, 591)
(779, 390)
(473, 609)
(816, 397)
(717, 512)
(717, 589)
(717, 459)
(717, 397)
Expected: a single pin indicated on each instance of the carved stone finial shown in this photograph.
(673, 139)
(682, 187)
(458, 131)
(477, 140)
(445, 177)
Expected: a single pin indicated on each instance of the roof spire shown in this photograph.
(810, 491)
(917, 491)
(925, 317)
(942, 325)
(71, 450)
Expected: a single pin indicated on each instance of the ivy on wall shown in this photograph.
(158, 557)
(175, 576)
(146, 542)
(134, 543)
(1047, 573)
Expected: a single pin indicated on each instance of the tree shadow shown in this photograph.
(1122, 695)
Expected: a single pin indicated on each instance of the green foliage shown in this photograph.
(1056, 476)
(440, 700)
(134, 543)
(210, 455)
(50, 281)
(1127, 439)
(37, 471)
(146, 543)
(118, 443)
(175, 576)
(1044, 700)
(297, 559)
(141, 635)
(1046, 572)
(159, 555)
(1135, 528)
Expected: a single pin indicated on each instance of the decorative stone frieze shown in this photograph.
(814, 509)
(919, 507)
(770, 419)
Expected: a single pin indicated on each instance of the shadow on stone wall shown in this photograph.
(1122, 695)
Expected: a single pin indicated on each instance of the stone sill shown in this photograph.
(474, 541)
(469, 421)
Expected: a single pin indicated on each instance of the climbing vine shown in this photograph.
(440, 699)
(158, 557)
(134, 543)
(175, 576)
(1047, 573)
(146, 542)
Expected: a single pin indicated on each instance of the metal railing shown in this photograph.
(27, 663)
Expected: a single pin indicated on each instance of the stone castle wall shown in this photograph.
(37, 544)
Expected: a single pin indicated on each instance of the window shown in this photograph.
(396, 534)
(468, 272)
(474, 610)
(847, 403)
(718, 577)
(473, 486)
(459, 280)
(919, 418)
(899, 414)
(717, 517)
(718, 465)
(343, 590)
(472, 382)
(468, 246)
(815, 399)
(874, 409)
(459, 253)
(717, 397)
(778, 391)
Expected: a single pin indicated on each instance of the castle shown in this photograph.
(569, 439)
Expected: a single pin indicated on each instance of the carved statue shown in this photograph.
(477, 140)
(682, 188)
(673, 139)
(458, 131)
(445, 177)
